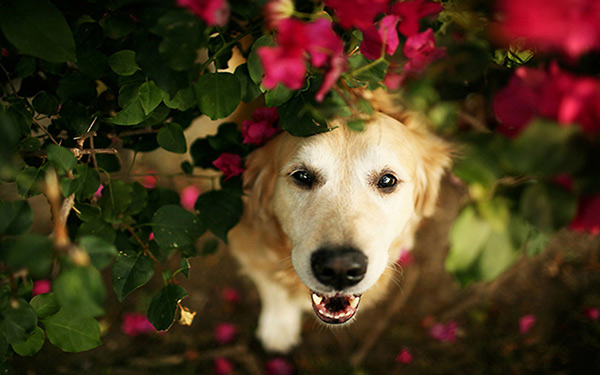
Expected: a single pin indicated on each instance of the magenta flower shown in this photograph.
(420, 50)
(41, 287)
(98, 193)
(149, 180)
(587, 218)
(222, 366)
(405, 357)
(323, 42)
(135, 324)
(231, 295)
(382, 37)
(406, 257)
(263, 127)
(444, 332)
(188, 197)
(410, 14)
(225, 333)
(526, 322)
(591, 313)
(230, 164)
(213, 12)
(569, 26)
(151, 236)
(279, 366)
(356, 13)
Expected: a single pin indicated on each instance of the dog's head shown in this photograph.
(345, 200)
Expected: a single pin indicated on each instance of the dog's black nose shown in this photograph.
(339, 267)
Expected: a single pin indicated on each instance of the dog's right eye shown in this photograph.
(303, 178)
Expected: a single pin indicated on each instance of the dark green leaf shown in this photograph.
(163, 306)
(123, 62)
(30, 182)
(547, 207)
(16, 217)
(25, 67)
(183, 100)
(254, 65)
(19, 321)
(176, 227)
(32, 345)
(139, 199)
(72, 332)
(61, 158)
(250, 90)
(81, 290)
(45, 305)
(117, 26)
(219, 211)
(45, 103)
(171, 138)
(132, 114)
(131, 270)
(79, 88)
(217, 94)
(150, 96)
(87, 181)
(101, 252)
(296, 118)
(279, 95)
(97, 227)
(183, 34)
(116, 197)
(33, 252)
(36, 27)
(30, 144)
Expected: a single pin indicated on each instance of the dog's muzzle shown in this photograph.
(337, 268)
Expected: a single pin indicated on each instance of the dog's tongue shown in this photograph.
(336, 309)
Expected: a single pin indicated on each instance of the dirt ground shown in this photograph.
(555, 287)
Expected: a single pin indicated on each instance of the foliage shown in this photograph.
(78, 81)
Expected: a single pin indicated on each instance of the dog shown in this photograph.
(326, 218)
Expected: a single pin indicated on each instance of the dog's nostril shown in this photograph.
(339, 268)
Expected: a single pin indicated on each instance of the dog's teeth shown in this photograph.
(354, 302)
(317, 299)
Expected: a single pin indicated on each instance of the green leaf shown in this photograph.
(72, 332)
(80, 289)
(30, 182)
(101, 252)
(130, 271)
(97, 227)
(250, 90)
(33, 252)
(45, 103)
(123, 62)
(132, 114)
(32, 345)
(219, 211)
(255, 68)
(184, 99)
(547, 207)
(61, 158)
(30, 144)
(183, 34)
(87, 181)
(176, 227)
(217, 94)
(139, 199)
(45, 305)
(496, 256)
(116, 197)
(16, 217)
(279, 95)
(171, 138)
(163, 306)
(19, 321)
(37, 28)
(150, 96)
(295, 118)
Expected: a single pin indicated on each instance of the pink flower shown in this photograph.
(356, 13)
(526, 322)
(229, 164)
(382, 37)
(98, 193)
(410, 14)
(223, 366)
(420, 50)
(149, 180)
(151, 236)
(135, 324)
(591, 313)
(231, 295)
(225, 333)
(188, 197)
(279, 366)
(277, 10)
(323, 42)
(587, 218)
(406, 257)
(444, 332)
(213, 12)
(405, 357)
(263, 127)
(338, 66)
(570, 26)
(41, 287)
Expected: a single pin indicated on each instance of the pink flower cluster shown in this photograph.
(41, 287)
(551, 93)
(213, 12)
(135, 324)
(444, 332)
(568, 26)
(225, 333)
(263, 127)
(230, 164)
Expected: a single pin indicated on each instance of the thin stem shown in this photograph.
(364, 68)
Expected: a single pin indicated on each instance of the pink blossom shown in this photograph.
(231, 295)
(225, 333)
(406, 257)
(591, 313)
(405, 357)
(444, 332)
(279, 366)
(420, 50)
(526, 322)
(338, 66)
(587, 218)
(98, 193)
(230, 164)
(570, 26)
(323, 42)
(410, 14)
(151, 236)
(213, 12)
(356, 13)
(41, 287)
(258, 133)
(135, 324)
(277, 10)
(382, 37)
(149, 180)
(393, 80)
(188, 197)
(223, 366)
(268, 114)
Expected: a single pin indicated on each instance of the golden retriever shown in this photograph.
(327, 216)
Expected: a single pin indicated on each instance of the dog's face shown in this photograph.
(343, 198)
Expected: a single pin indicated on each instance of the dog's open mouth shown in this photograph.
(335, 309)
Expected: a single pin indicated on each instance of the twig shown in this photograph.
(367, 344)
(144, 246)
(474, 122)
(78, 152)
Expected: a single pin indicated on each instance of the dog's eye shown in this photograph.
(303, 178)
(387, 182)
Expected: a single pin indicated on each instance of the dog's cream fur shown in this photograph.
(283, 224)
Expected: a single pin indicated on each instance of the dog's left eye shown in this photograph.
(387, 182)
(303, 178)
